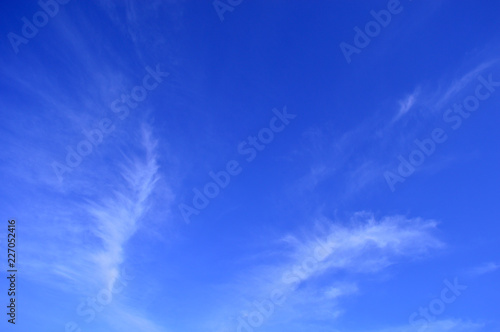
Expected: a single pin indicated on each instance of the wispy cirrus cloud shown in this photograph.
(406, 104)
(445, 325)
(116, 218)
(89, 245)
(456, 85)
(482, 269)
(312, 265)
(382, 137)
(108, 221)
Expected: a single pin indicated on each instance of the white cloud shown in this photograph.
(315, 264)
(86, 246)
(482, 269)
(367, 244)
(341, 290)
(116, 219)
(406, 104)
(447, 325)
(459, 84)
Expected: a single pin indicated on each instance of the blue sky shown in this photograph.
(252, 165)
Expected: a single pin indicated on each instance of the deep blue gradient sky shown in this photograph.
(328, 215)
